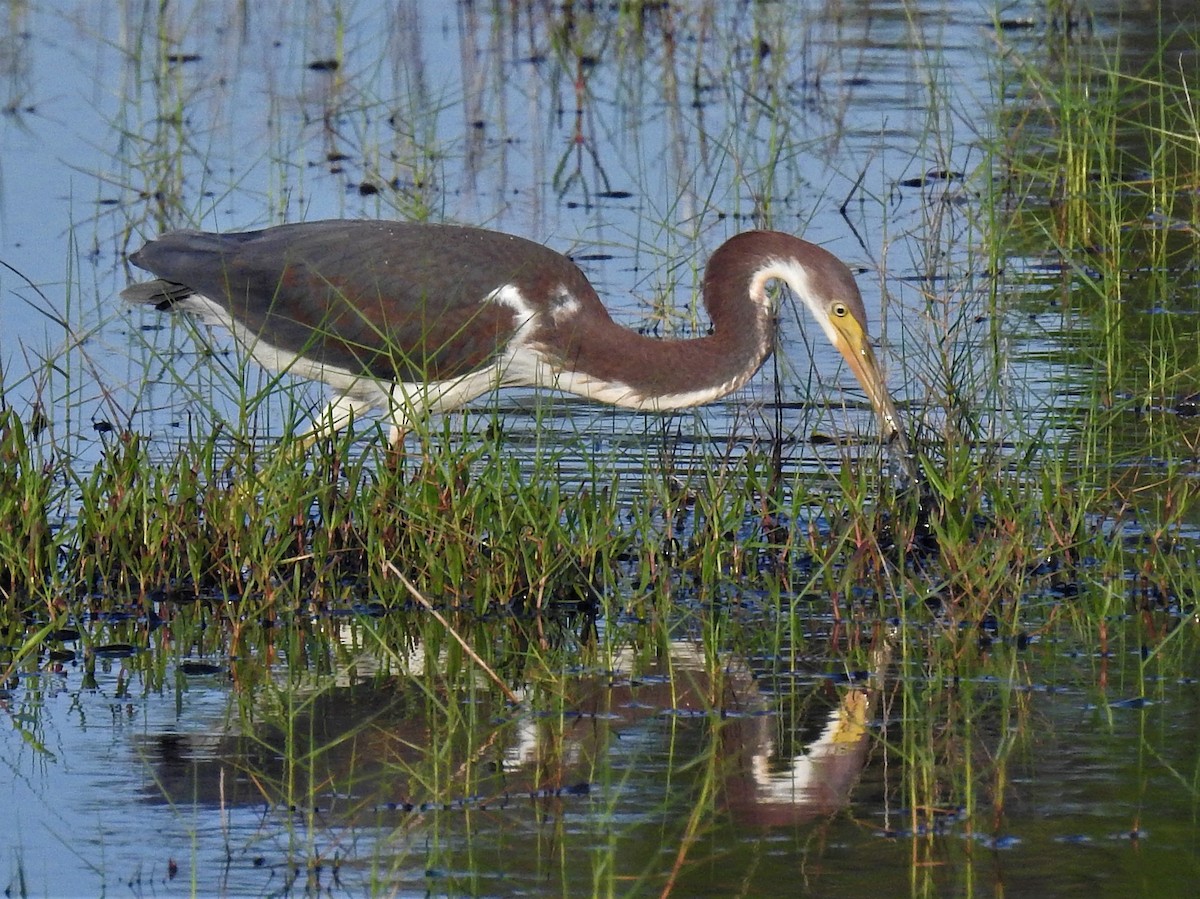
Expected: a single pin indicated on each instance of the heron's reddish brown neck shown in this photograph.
(594, 356)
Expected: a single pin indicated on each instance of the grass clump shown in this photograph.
(29, 492)
(464, 527)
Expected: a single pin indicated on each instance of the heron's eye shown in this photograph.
(839, 309)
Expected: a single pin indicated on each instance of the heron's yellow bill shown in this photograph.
(855, 347)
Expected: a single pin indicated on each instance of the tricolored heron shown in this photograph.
(416, 318)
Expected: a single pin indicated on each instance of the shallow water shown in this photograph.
(342, 774)
(352, 785)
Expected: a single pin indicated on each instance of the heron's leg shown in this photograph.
(395, 445)
(336, 416)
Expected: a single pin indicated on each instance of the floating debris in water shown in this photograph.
(115, 651)
(931, 176)
(195, 668)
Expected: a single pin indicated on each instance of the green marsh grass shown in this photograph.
(27, 545)
(1073, 533)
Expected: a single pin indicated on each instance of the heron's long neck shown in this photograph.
(595, 357)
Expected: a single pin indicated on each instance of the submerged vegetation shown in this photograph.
(415, 643)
